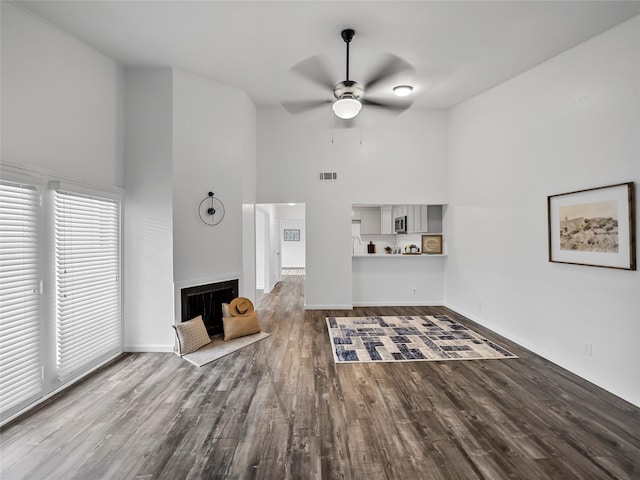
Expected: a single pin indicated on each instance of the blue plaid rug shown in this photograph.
(407, 339)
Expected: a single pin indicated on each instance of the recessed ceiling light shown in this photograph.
(402, 90)
(291, 204)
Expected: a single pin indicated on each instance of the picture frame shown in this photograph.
(593, 227)
(432, 244)
(291, 235)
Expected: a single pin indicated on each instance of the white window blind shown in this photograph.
(20, 358)
(88, 304)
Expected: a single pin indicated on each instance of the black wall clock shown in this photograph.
(211, 210)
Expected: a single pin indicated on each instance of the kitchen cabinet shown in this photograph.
(386, 220)
(380, 220)
(424, 218)
(370, 221)
(434, 219)
(397, 211)
(414, 218)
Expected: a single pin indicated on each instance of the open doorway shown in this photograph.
(294, 239)
(280, 244)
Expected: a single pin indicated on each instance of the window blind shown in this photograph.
(87, 265)
(20, 358)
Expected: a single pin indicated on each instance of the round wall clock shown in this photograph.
(211, 210)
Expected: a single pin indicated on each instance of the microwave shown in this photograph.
(400, 224)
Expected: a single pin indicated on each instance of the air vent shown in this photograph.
(327, 176)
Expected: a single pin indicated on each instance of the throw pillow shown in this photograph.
(235, 327)
(225, 310)
(191, 335)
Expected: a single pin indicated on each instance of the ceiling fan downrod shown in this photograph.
(347, 36)
(347, 92)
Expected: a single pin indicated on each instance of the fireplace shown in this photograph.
(207, 300)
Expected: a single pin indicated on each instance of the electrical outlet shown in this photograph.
(413, 291)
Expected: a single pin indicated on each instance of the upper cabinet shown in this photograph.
(370, 222)
(381, 220)
(369, 219)
(434, 219)
(424, 218)
(386, 220)
(400, 211)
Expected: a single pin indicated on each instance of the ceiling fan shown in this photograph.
(349, 94)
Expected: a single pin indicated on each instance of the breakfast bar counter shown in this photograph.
(397, 280)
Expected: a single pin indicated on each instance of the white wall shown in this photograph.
(275, 264)
(293, 252)
(213, 128)
(148, 230)
(185, 136)
(402, 159)
(381, 279)
(262, 247)
(61, 102)
(570, 123)
(292, 217)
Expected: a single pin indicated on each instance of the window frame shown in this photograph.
(46, 182)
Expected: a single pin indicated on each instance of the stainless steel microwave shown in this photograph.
(400, 224)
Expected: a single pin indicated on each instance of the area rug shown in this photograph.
(408, 339)
(218, 348)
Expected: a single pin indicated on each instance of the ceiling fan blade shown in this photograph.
(300, 106)
(396, 107)
(315, 69)
(390, 67)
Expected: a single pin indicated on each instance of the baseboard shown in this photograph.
(542, 353)
(493, 328)
(148, 348)
(510, 336)
(397, 304)
(328, 307)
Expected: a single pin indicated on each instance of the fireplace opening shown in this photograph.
(207, 300)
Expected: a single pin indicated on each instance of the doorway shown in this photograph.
(280, 244)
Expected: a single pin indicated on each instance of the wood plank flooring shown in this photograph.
(281, 409)
(293, 271)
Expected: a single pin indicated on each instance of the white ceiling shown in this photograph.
(457, 48)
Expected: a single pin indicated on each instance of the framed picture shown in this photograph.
(594, 227)
(291, 235)
(432, 244)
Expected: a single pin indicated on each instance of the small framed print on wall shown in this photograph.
(594, 227)
(432, 244)
(291, 235)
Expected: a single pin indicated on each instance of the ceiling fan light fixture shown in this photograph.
(402, 90)
(346, 108)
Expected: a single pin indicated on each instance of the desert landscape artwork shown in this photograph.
(589, 227)
(593, 227)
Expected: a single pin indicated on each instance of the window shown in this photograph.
(87, 270)
(60, 286)
(20, 352)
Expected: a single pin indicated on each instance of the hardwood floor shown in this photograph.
(293, 271)
(281, 409)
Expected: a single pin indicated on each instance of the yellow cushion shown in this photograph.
(235, 327)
